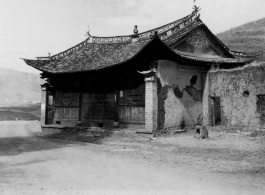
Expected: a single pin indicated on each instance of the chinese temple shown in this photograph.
(155, 80)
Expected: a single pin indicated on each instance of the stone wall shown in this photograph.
(179, 95)
(239, 90)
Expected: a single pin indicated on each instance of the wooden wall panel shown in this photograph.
(66, 113)
(58, 113)
(66, 98)
(131, 113)
(85, 112)
(73, 113)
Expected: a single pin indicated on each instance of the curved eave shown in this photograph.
(40, 64)
(217, 60)
(238, 54)
(37, 64)
(43, 64)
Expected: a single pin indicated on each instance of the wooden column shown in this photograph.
(43, 104)
(80, 100)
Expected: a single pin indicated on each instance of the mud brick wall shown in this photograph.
(162, 96)
(206, 101)
(239, 92)
(179, 96)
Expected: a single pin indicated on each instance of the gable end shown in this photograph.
(199, 42)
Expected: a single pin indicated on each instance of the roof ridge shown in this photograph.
(174, 27)
(146, 34)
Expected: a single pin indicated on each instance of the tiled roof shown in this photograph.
(97, 53)
(90, 57)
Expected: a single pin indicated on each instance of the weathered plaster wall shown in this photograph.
(236, 109)
(183, 99)
(206, 101)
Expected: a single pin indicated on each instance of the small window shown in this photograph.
(261, 103)
(136, 95)
(133, 96)
(50, 100)
(246, 94)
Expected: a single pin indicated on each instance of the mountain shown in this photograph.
(249, 38)
(18, 88)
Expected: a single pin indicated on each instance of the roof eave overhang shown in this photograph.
(154, 40)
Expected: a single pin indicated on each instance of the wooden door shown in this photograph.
(99, 107)
(217, 111)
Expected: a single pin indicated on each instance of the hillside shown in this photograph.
(22, 112)
(248, 38)
(17, 88)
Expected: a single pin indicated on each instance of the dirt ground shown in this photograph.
(128, 163)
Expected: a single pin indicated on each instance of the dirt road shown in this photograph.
(32, 165)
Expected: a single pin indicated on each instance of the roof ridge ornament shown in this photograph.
(49, 55)
(196, 9)
(155, 34)
(135, 31)
(135, 35)
(88, 32)
(90, 37)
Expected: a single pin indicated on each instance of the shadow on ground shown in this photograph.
(18, 145)
(18, 138)
(83, 135)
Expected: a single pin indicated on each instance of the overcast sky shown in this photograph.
(31, 28)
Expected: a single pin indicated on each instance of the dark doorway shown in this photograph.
(217, 111)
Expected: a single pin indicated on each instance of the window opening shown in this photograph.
(245, 93)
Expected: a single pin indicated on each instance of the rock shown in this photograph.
(179, 131)
(116, 124)
(97, 135)
(153, 138)
(201, 132)
(254, 134)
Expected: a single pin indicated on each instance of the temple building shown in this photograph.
(156, 80)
